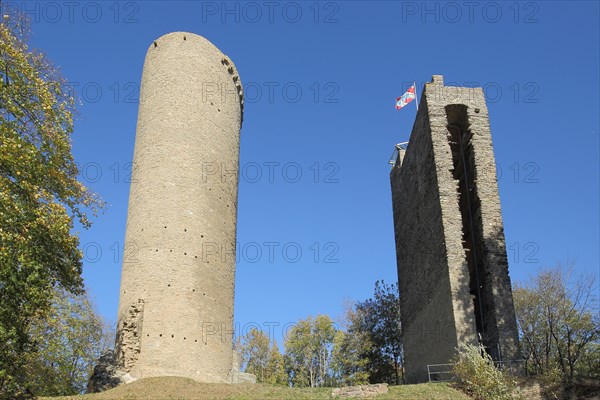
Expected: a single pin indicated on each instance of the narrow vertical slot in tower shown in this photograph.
(459, 139)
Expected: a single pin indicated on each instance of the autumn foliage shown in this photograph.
(40, 199)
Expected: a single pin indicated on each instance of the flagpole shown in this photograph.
(416, 100)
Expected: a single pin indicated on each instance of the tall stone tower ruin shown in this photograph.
(450, 246)
(176, 302)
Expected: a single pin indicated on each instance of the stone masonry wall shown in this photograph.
(452, 266)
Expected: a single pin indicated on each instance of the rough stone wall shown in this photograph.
(438, 229)
(370, 391)
(129, 336)
(237, 376)
(179, 257)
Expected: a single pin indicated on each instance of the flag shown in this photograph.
(406, 98)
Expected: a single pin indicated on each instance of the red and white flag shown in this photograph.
(406, 97)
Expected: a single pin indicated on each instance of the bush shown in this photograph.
(479, 378)
(551, 383)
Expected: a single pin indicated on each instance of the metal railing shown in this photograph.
(444, 373)
(440, 372)
(395, 155)
(513, 367)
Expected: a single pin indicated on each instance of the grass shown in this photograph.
(174, 388)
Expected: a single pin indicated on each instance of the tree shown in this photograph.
(323, 333)
(558, 322)
(69, 342)
(308, 351)
(40, 199)
(589, 364)
(276, 367)
(348, 361)
(379, 319)
(255, 354)
(299, 358)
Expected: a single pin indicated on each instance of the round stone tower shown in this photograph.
(177, 284)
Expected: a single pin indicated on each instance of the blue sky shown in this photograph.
(320, 82)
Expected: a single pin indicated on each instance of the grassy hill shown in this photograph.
(175, 388)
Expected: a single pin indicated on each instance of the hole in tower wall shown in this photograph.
(459, 139)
